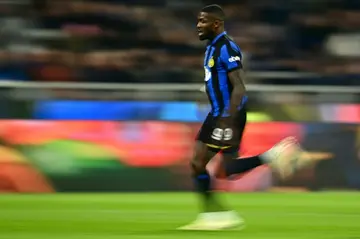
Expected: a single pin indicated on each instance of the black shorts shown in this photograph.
(210, 133)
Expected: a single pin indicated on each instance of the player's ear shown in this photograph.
(216, 23)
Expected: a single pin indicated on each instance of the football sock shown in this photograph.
(203, 181)
(241, 165)
(203, 187)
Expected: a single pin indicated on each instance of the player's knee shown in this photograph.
(198, 161)
(197, 165)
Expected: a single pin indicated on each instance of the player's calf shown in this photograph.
(203, 185)
(283, 158)
(202, 177)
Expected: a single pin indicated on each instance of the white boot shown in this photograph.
(284, 157)
(215, 221)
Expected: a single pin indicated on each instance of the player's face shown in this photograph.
(205, 26)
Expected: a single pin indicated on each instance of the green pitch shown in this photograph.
(156, 215)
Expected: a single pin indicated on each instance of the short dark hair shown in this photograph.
(216, 10)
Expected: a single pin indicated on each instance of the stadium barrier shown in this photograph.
(68, 137)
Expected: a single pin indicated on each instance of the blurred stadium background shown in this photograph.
(104, 96)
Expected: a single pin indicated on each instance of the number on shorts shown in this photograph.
(219, 134)
(228, 134)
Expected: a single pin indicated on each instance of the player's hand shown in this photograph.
(227, 125)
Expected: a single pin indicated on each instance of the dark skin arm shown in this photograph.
(237, 80)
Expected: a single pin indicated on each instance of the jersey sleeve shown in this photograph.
(231, 57)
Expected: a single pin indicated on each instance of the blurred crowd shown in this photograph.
(156, 41)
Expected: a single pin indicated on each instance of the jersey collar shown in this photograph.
(218, 37)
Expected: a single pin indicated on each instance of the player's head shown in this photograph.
(210, 22)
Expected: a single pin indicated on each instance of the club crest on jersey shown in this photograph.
(211, 62)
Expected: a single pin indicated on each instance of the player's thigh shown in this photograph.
(203, 150)
(202, 155)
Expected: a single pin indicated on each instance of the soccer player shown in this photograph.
(223, 128)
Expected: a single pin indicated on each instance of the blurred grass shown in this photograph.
(156, 215)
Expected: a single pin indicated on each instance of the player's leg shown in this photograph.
(230, 164)
(214, 213)
(202, 155)
(281, 157)
(202, 180)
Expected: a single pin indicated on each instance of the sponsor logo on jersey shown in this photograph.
(234, 58)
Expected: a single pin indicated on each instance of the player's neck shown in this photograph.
(216, 35)
(221, 31)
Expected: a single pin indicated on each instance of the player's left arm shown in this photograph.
(232, 60)
(237, 79)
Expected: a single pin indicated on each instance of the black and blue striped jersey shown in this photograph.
(222, 56)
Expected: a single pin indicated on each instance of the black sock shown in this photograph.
(203, 187)
(241, 165)
(203, 184)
